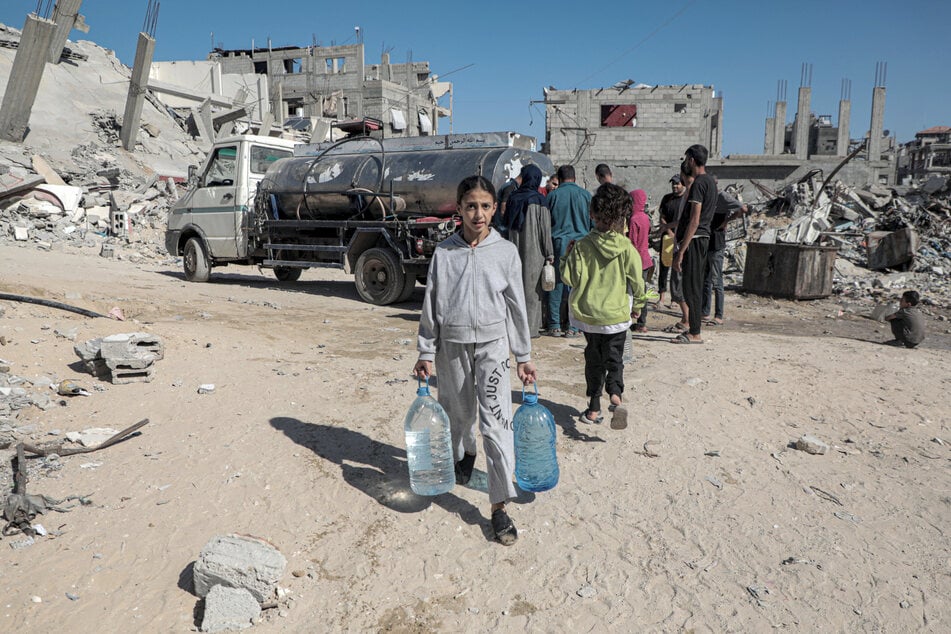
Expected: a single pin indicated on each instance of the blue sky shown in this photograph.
(509, 51)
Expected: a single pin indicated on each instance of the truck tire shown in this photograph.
(408, 287)
(195, 261)
(287, 274)
(379, 277)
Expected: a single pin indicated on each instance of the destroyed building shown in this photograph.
(928, 155)
(323, 86)
(641, 131)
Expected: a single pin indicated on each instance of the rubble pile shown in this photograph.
(888, 239)
(70, 183)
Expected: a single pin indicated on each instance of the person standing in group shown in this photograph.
(603, 173)
(570, 220)
(552, 184)
(639, 228)
(499, 222)
(693, 237)
(728, 208)
(667, 223)
(676, 277)
(473, 315)
(529, 229)
(601, 269)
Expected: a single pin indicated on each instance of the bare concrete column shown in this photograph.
(64, 16)
(878, 123)
(779, 135)
(25, 75)
(803, 119)
(769, 141)
(845, 116)
(137, 87)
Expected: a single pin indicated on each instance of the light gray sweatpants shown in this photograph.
(475, 388)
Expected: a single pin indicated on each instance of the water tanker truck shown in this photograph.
(376, 208)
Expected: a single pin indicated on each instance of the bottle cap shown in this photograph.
(422, 389)
(530, 398)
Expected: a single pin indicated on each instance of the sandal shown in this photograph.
(464, 469)
(554, 332)
(683, 338)
(619, 420)
(639, 329)
(676, 327)
(591, 421)
(713, 322)
(503, 527)
(572, 332)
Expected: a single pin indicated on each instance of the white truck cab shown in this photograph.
(209, 224)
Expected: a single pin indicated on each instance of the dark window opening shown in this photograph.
(618, 116)
(680, 107)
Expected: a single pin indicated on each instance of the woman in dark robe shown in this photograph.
(529, 228)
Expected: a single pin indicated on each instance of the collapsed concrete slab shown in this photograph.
(239, 561)
(229, 609)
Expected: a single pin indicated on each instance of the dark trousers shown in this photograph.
(648, 276)
(603, 366)
(713, 283)
(898, 331)
(662, 277)
(694, 268)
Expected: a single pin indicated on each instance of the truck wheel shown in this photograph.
(408, 287)
(379, 277)
(287, 274)
(195, 261)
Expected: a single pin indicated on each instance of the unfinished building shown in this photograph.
(640, 131)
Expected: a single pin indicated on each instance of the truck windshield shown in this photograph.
(262, 157)
(221, 169)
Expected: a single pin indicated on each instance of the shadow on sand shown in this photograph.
(379, 470)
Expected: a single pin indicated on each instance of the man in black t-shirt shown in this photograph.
(667, 224)
(693, 237)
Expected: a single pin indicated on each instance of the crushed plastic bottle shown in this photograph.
(428, 445)
(536, 463)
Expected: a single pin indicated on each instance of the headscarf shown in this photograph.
(526, 194)
(639, 197)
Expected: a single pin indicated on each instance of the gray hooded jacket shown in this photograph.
(474, 295)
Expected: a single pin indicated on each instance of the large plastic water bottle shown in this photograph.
(428, 445)
(536, 465)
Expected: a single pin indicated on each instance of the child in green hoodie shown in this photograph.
(603, 270)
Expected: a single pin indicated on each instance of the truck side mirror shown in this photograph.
(192, 176)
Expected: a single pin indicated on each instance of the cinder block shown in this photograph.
(137, 362)
(132, 344)
(121, 376)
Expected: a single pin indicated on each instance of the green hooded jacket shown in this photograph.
(601, 269)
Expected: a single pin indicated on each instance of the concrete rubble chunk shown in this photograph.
(125, 345)
(239, 561)
(122, 358)
(229, 609)
(811, 444)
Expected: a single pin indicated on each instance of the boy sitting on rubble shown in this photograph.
(908, 325)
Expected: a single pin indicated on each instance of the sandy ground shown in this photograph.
(301, 443)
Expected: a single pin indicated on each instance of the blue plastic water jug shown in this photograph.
(536, 464)
(428, 445)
